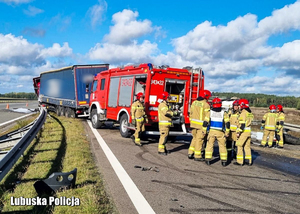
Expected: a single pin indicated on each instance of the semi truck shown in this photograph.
(114, 90)
(67, 90)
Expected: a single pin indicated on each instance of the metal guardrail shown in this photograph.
(19, 140)
(286, 127)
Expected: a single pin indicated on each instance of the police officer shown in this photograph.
(244, 134)
(233, 115)
(199, 118)
(165, 115)
(218, 121)
(280, 122)
(138, 117)
(268, 123)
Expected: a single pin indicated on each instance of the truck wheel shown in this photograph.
(72, 113)
(57, 110)
(124, 131)
(67, 112)
(96, 123)
(62, 111)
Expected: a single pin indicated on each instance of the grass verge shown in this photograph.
(60, 147)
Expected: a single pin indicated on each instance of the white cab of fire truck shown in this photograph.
(115, 90)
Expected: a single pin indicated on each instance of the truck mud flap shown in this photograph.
(56, 182)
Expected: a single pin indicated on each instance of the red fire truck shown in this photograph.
(113, 92)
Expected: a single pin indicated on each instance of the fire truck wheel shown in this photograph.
(124, 131)
(96, 123)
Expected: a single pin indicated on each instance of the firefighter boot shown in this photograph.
(238, 164)
(247, 163)
(224, 163)
(191, 156)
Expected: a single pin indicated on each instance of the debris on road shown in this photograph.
(155, 169)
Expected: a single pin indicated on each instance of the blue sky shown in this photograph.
(243, 46)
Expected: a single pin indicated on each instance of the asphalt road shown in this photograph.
(270, 185)
(8, 114)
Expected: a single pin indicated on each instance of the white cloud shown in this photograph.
(113, 53)
(284, 19)
(57, 51)
(126, 28)
(32, 11)
(15, 1)
(97, 13)
(18, 51)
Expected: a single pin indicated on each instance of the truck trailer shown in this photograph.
(67, 90)
(114, 91)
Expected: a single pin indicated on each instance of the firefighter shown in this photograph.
(218, 121)
(138, 117)
(199, 119)
(243, 134)
(165, 115)
(268, 123)
(233, 115)
(280, 122)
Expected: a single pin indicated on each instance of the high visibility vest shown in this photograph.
(216, 120)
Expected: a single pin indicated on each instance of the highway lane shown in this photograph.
(271, 185)
(8, 114)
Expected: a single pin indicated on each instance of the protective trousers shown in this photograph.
(280, 141)
(196, 146)
(140, 127)
(243, 145)
(164, 132)
(270, 134)
(230, 144)
(220, 137)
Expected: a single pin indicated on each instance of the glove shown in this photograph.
(277, 130)
(146, 120)
(237, 135)
(175, 113)
(262, 127)
(133, 122)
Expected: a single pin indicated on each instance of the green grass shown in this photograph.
(60, 147)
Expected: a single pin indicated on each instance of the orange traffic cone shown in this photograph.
(7, 106)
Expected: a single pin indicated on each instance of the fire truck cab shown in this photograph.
(114, 90)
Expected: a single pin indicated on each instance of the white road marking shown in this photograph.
(27, 115)
(138, 200)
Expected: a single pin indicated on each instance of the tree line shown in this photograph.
(20, 95)
(263, 100)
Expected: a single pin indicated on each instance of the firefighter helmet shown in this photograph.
(164, 95)
(272, 107)
(235, 103)
(139, 95)
(205, 94)
(279, 107)
(243, 103)
(217, 103)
